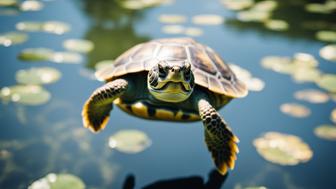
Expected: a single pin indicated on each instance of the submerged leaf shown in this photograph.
(283, 149)
(129, 141)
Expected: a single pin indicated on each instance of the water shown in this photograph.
(50, 138)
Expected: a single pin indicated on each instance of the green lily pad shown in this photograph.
(265, 6)
(5, 3)
(58, 181)
(253, 16)
(278, 64)
(78, 45)
(325, 35)
(237, 4)
(327, 132)
(333, 115)
(173, 29)
(36, 54)
(252, 83)
(31, 5)
(208, 19)
(328, 82)
(12, 38)
(141, 4)
(295, 110)
(25, 94)
(66, 57)
(317, 8)
(29, 26)
(312, 96)
(329, 52)
(56, 27)
(304, 60)
(283, 149)
(277, 25)
(193, 31)
(172, 18)
(36, 76)
(303, 74)
(129, 141)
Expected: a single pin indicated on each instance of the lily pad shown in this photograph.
(252, 83)
(29, 26)
(317, 8)
(58, 181)
(328, 82)
(265, 6)
(253, 16)
(25, 94)
(173, 29)
(36, 76)
(5, 3)
(66, 57)
(141, 4)
(35, 54)
(255, 84)
(12, 38)
(295, 110)
(208, 19)
(31, 5)
(172, 18)
(277, 25)
(312, 96)
(103, 64)
(78, 45)
(333, 116)
(193, 31)
(329, 52)
(326, 35)
(304, 60)
(278, 64)
(303, 74)
(129, 141)
(237, 4)
(56, 27)
(327, 132)
(283, 149)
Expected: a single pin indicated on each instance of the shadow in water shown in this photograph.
(215, 181)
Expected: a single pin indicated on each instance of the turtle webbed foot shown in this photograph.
(97, 108)
(221, 142)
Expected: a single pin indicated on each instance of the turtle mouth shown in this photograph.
(175, 87)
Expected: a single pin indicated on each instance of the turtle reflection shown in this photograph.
(215, 181)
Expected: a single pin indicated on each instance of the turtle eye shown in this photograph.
(162, 72)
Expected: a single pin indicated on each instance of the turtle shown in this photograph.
(171, 79)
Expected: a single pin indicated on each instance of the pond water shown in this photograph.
(49, 138)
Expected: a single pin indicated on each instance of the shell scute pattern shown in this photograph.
(209, 69)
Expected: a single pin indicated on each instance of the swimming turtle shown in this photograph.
(175, 79)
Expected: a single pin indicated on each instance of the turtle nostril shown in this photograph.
(176, 69)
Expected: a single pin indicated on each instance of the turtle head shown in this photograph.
(171, 81)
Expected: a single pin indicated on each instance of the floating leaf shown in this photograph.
(312, 96)
(56, 27)
(31, 5)
(253, 16)
(329, 52)
(326, 132)
(328, 82)
(319, 8)
(25, 94)
(304, 60)
(237, 4)
(208, 19)
(295, 110)
(278, 64)
(325, 35)
(252, 83)
(333, 116)
(12, 38)
(193, 31)
(265, 6)
(66, 57)
(303, 74)
(35, 54)
(78, 45)
(173, 29)
(29, 26)
(58, 181)
(5, 3)
(141, 4)
(276, 25)
(129, 141)
(255, 84)
(283, 149)
(172, 18)
(36, 76)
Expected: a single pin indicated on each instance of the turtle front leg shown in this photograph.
(97, 108)
(220, 140)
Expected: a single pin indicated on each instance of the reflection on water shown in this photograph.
(49, 137)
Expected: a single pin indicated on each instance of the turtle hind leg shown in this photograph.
(221, 142)
(97, 108)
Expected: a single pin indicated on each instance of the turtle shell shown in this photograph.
(208, 68)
